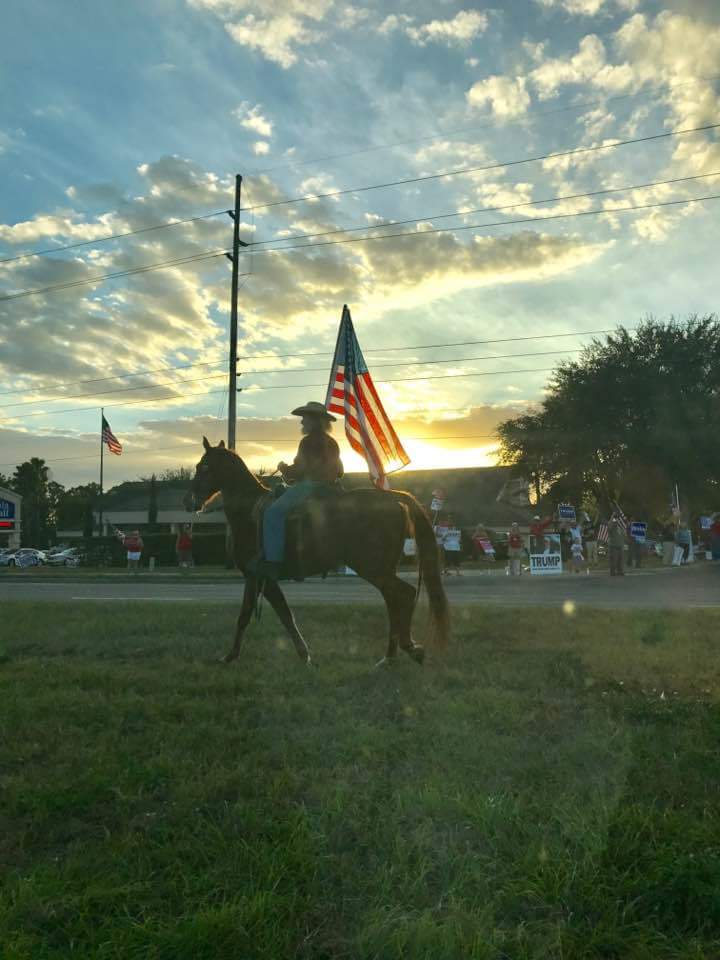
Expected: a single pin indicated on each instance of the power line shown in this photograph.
(497, 223)
(492, 166)
(293, 439)
(256, 389)
(318, 353)
(373, 148)
(507, 206)
(252, 247)
(214, 376)
(161, 265)
(386, 236)
(532, 114)
(111, 236)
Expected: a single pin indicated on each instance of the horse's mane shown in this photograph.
(237, 463)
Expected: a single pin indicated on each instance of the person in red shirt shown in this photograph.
(133, 543)
(183, 548)
(537, 533)
(516, 549)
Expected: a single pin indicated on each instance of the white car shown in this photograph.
(64, 558)
(24, 557)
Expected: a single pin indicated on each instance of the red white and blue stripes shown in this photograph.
(352, 394)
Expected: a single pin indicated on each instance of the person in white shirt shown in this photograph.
(452, 546)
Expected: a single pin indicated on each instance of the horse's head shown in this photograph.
(208, 476)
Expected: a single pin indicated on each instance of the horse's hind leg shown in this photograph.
(280, 605)
(246, 612)
(406, 608)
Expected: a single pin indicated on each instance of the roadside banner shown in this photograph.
(549, 561)
(566, 513)
(487, 548)
(638, 531)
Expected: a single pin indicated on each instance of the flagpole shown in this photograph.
(102, 451)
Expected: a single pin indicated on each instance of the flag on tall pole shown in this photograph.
(352, 394)
(108, 437)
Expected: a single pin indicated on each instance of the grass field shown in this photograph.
(549, 789)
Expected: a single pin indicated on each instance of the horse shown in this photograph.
(363, 529)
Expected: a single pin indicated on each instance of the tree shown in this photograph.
(177, 473)
(632, 417)
(5, 481)
(75, 508)
(31, 481)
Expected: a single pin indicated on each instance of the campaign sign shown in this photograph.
(566, 513)
(409, 547)
(487, 548)
(550, 560)
(7, 509)
(705, 522)
(638, 531)
(436, 505)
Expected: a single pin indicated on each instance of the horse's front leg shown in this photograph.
(277, 600)
(246, 612)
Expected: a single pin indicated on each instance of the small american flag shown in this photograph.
(351, 393)
(602, 533)
(621, 518)
(108, 437)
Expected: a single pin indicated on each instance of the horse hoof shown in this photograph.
(416, 653)
(386, 662)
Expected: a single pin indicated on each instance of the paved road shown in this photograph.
(694, 586)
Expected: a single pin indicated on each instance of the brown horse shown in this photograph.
(363, 529)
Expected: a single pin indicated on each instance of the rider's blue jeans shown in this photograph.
(276, 514)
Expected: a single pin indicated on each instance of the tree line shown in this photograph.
(633, 417)
(47, 506)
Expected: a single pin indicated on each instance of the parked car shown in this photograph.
(24, 557)
(71, 557)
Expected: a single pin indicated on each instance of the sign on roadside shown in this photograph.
(638, 531)
(566, 513)
(549, 561)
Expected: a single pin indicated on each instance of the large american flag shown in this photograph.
(108, 437)
(352, 394)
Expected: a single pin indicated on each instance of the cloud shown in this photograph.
(583, 66)
(464, 27)
(260, 148)
(588, 8)
(274, 28)
(252, 119)
(507, 96)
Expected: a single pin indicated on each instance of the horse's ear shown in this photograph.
(222, 444)
(206, 443)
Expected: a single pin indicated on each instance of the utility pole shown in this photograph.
(234, 258)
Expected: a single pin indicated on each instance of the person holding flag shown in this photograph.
(316, 466)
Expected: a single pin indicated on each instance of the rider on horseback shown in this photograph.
(317, 466)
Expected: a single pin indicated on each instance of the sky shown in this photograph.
(119, 117)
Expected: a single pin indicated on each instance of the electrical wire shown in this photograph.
(215, 376)
(318, 353)
(448, 134)
(506, 206)
(610, 211)
(184, 446)
(162, 265)
(574, 151)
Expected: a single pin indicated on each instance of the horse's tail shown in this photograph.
(429, 570)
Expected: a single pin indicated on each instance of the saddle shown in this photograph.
(307, 528)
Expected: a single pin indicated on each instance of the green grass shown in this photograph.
(549, 789)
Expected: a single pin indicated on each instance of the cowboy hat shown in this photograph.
(314, 409)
